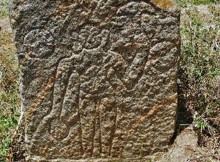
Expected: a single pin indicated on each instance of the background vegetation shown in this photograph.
(195, 2)
(199, 73)
(9, 98)
(4, 8)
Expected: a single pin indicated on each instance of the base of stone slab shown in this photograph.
(41, 159)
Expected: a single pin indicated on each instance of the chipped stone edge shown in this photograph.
(167, 5)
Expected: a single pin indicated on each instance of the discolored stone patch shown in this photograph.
(98, 78)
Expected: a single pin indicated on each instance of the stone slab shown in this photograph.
(98, 77)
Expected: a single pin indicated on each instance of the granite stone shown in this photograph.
(98, 78)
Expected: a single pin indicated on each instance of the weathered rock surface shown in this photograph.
(98, 77)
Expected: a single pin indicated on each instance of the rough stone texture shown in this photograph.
(98, 77)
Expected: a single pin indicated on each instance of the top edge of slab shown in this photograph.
(167, 5)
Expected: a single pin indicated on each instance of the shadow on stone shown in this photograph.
(184, 116)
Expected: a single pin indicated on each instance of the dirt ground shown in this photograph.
(185, 149)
